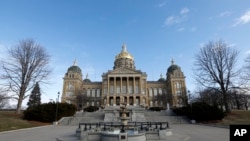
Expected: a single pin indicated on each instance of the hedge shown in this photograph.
(47, 112)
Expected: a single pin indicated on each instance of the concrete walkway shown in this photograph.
(181, 132)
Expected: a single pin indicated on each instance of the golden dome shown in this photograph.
(124, 53)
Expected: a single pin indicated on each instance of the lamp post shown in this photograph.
(57, 105)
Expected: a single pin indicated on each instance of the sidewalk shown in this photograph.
(181, 132)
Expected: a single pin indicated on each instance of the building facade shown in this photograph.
(125, 84)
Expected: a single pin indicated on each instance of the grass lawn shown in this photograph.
(9, 120)
(235, 117)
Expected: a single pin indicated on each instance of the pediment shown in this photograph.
(124, 71)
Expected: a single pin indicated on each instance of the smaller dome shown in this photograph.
(86, 80)
(173, 67)
(161, 80)
(75, 68)
(124, 54)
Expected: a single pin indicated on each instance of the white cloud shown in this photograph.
(171, 20)
(193, 29)
(224, 14)
(248, 52)
(181, 17)
(244, 19)
(184, 11)
(181, 29)
(162, 4)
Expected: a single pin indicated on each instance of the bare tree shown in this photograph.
(211, 97)
(247, 67)
(215, 68)
(3, 100)
(27, 63)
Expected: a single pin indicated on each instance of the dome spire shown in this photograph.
(172, 61)
(75, 63)
(124, 48)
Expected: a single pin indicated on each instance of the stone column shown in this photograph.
(127, 100)
(108, 85)
(127, 85)
(107, 100)
(121, 90)
(114, 85)
(134, 100)
(133, 85)
(114, 100)
(140, 86)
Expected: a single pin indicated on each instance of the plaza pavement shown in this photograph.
(181, 132)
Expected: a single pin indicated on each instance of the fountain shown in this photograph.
(124, 119)
(124, 130)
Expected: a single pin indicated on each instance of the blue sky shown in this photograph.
(93, 31)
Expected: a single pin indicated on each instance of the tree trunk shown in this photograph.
(228, 110)
(19, 106)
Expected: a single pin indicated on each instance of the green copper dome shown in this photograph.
(75, 68)
(173, 67)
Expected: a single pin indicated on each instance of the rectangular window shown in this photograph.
(124, 89)
(160, 91)
(88, 93)
(150, 92)
(98, 93)
(130, 90)
(143, 91)
(105, 91)
(111, 90)
(136, 89)
(155, 92)
(118, 90)
(93, 92)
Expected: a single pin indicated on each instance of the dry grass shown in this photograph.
(235, 117)
(9, 120)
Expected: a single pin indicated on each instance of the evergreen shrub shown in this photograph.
(200, 111)
(46, 112)
(91, 109)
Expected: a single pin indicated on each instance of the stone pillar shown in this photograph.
(114, 100)
(140, 86)
(133, 85)
(107, 100)
(114, 85)
(121, 90)
(108, 85)
(127, 85)
(134, 100)
(127, 100)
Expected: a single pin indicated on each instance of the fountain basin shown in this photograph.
(123, 137)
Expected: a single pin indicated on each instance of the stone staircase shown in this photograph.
(165, 116)
(113, 116)
(82, 117)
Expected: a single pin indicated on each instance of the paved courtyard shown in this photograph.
(181, 132)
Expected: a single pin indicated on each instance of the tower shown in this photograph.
(176, 86)
(71, 83)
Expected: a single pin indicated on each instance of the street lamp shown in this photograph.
(57, 105)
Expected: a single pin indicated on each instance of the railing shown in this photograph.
(139, 125)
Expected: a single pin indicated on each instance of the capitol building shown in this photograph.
(125, 84)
